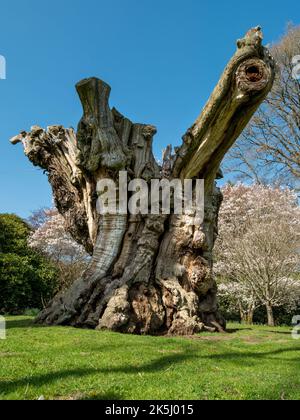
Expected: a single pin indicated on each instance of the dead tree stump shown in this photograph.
(149, 274)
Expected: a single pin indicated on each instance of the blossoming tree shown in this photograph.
(259, 247)
(51, 239)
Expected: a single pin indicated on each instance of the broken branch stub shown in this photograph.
(245, 83)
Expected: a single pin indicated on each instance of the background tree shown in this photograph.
(27, 280)
(237, 298)
(259, 243)
(52, 240)
(238, 302)
(149, 274)
(269, 149)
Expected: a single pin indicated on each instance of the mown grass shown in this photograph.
(65, 363)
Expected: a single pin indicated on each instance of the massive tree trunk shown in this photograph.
(149, 274)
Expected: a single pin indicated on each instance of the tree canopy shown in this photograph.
(27, 279)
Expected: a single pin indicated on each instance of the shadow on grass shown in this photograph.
(44, 379)
(280, 332)
(235, 330)
(162, 364)
(250, 358)
(21, 323)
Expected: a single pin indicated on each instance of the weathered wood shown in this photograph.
(149, 274)
(244, 84)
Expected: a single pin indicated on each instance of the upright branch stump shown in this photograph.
(149, 274)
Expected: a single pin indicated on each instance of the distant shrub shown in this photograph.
(27, 279)
(31, 312)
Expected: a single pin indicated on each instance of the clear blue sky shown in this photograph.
(161, 57)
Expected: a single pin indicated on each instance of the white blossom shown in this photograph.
(258, 245)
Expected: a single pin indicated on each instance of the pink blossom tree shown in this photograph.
(51, 239)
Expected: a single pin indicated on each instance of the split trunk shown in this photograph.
(149, 274)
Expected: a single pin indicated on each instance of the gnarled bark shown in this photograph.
(148, 274)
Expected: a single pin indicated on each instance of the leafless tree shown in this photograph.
(269, 149)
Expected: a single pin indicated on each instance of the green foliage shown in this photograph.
(27, 279)
(31, 312)
(13, 235)
(70, 364)
(225, 308)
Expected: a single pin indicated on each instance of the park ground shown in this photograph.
(67, 364)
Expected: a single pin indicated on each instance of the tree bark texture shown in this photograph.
(148, 274)
(270, 315)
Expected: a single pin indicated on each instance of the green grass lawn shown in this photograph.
(65, 363)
